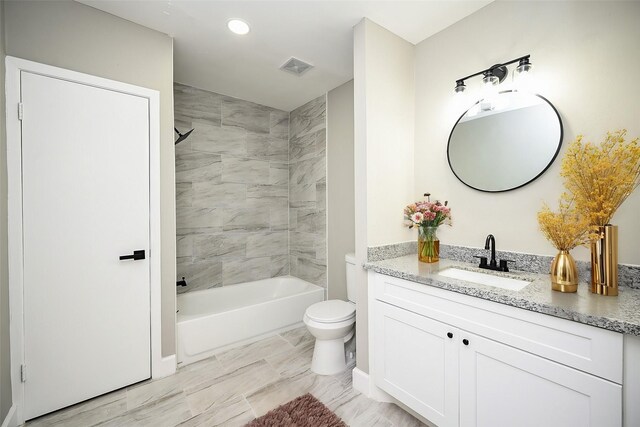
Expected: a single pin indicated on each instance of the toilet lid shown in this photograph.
(331, 311)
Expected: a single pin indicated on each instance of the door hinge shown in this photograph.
(20, 110)
(23, 373)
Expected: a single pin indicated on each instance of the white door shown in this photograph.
(85, 153)
(416, 361)
(504, 386)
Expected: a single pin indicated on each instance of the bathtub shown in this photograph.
(213, 320)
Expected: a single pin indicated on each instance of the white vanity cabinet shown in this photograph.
(462, 361)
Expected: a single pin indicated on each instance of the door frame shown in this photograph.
(14, 66)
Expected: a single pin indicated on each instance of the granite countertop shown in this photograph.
(618, 314)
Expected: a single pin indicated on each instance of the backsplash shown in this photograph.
(308, 192)
(232, 180)
(628, 275)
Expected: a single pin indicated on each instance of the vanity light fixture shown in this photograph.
(496, 74)
(238, 26)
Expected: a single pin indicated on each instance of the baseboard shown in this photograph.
(360, 381)
(166, 367)
(10, 419)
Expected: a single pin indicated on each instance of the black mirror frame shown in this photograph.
(555, 155)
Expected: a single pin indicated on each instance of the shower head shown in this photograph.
(181, 136)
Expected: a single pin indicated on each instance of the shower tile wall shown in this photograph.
(232, 179)
(307, 192)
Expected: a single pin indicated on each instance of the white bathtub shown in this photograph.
(212, 320)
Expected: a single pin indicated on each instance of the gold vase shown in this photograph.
(604, 261)
(564, 274)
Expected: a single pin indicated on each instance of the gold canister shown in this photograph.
(564, 274)
(604, 261)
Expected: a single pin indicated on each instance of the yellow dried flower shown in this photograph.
(601, 177)
(566, 228)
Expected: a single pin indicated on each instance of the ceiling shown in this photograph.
(208, 56)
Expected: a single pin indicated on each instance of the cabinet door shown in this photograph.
(504, 386)
(416, 362)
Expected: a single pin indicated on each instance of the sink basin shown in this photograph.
(484, 279)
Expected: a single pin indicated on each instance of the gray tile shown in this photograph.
(206, 194)
(286, 389)
(293, 265)
(278, 218)
(184, 194)
(197, 104)
(294, 361)
(311, 270)
(267, 243)
(308, 171)
(279, 124)
(308, 118)
(184, 246)
(280, 265)
(278, 173)
(245, 219)
(148, 392)
(168, 411)
(247, 354)
(220, 245)
(245, 115)
(310, 221)
(257, 191)
(200, 275)
(205, 394)
(246, 171)
(195, 374)
(230, 386)
(303, 147)
(321, 196)
(302, 244)
(220, 140)
(266, 147)
(302, 192)
(298, 337)
(87, 413)
(190, 217)
(198, 167)
(235, 412)
(245, 270)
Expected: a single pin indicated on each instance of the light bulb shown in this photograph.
(238, 26)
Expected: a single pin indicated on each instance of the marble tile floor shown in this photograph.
(231, 389)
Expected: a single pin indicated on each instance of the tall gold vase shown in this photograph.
(564, 274)
(604, 261)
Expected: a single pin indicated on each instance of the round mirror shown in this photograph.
(505, 142)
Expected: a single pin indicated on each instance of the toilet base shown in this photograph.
(329, 357)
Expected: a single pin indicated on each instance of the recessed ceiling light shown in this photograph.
(238, 26)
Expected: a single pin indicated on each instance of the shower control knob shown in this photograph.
(465, 341)
(450, 334)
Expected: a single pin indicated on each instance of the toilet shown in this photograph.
(332, 323)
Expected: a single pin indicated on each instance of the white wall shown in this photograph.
(384, 144)
(340, 190)
(77, 37)
(5, 369)
(583, 55)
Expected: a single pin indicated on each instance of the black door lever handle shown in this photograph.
(136, 255)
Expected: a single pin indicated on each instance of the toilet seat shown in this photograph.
(331, 311)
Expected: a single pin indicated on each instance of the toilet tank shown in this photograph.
(351, 276)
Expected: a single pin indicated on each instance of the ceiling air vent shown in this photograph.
(296, 66)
